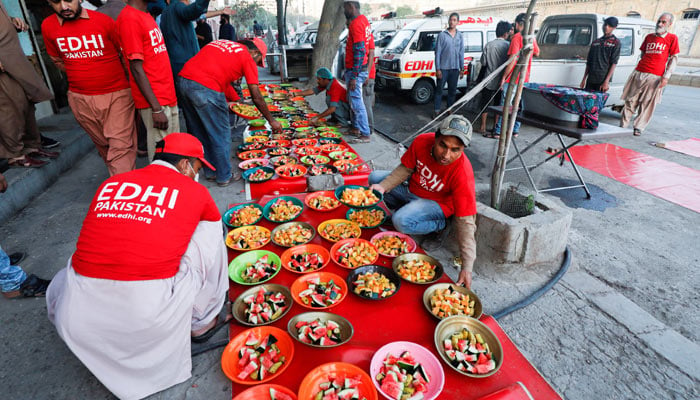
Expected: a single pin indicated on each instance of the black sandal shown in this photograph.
(491, 135)
(34, 286)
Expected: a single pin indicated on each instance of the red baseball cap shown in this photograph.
(183, 144)
(263, 50)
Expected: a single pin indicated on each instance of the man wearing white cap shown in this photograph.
(148, 275)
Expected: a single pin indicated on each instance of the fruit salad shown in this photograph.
(260, 175)
(402, 377)
(418, 271)
(448, 302)
(305, 262)
(248, 239)
(468, 352)
(321, 294)
(319, 332)
(337, 388)
(339, 231)
(373, 285)
(391, 245)
(259, 271)
(361, 197)
(324, 203)
(356, 254)
(367, 218)
(320, 169)
(263, 307)
(245, 215)
(259, 358)
(292, 235)
(284, 210)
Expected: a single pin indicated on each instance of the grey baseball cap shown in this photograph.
(457, 126)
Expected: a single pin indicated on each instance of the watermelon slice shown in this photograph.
(248, 370)
(277, 395)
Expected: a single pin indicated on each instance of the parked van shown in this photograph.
(408, 62)
(564, 41)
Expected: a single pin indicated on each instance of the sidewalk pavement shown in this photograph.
(687, 73)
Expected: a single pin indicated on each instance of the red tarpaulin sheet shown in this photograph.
(690, 146)
(376, 323)
(663, 179)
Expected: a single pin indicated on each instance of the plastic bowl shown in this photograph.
(229, 214)
(351, 167)
(309, 386)
(356, 231)
(277, 143)
(322, 169)
(342, 155)
(422, 257)
(288, 225)
(409, 241)
(423, 356)
(330, 140)
(353, 241)
(247, 175)
(274, 161)
(239, 306)
(352, 211)
(229, 236)
(263, 391)
(387, 272)
(230, 358)
(284, 171)
(478, 309)
(307, 150)
(346, 329)
(325, 193)
(268, 208)
(333, 147)
(250, 154)
(249, 164)
(278, 151)
(339, 195)
(314, 159)
(321, 251)
(304, 142)
(240, 263)
(300, 284)
(450, 325)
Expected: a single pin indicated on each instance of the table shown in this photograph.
(401, 317)
(604, 131)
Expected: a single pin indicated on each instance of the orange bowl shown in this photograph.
(353, 226)
(230, 358)
(309, 386)
(283, 171)
(263, 392)
(286, 257)
(354, 241)
(326, 193)
(300, 284)
(277, 143)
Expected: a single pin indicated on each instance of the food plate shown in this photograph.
(333, 140)
(342, 155)
(245, 111)
(323, 201)
(259, 174)
(257, 122)
(304, 142)
(476, 310)
(371, 289)
(313, 159)
(351, 167)
(301, 290)
(307, 150)
(246, 238)
(249, 146)
(278, 151)
(367, 218)
(230, 360)
(292, 234)
(448, 326)
(322, 169)
(253, 163)
(429, 363)
(282, 160)
(356, 196)
(344, 333)
(283, 212)
(291, 171)
(393, 244)
(238, 266)
(247, 155)
(246, 214)
(256, 138)
(333, 147)
(323, 373)
(330, 134)
(301, 257)
(334, 230)
(353, 253)
(252, 297)
(418, 272)
(328, 128)
(277, 143)
(265, 392)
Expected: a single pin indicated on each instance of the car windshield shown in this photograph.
(400, 41)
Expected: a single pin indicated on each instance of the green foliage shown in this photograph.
(404, 11)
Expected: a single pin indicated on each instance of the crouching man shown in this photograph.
(148, 275)
(433, 182)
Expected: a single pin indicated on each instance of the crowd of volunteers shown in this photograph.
(128, 311)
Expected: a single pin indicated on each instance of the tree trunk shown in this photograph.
(281, 27)
(510, 114)
(329, 28)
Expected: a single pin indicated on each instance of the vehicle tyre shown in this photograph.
(422, 92)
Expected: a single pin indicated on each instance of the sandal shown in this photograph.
(637, 132)
(220, 323)
(26, 162)
(34, 286)
(491, 135)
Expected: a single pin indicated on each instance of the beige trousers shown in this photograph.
(641, 95)
(154, 135)
(19, 133)
(108, 120)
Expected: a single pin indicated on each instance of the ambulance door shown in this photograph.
(473, 46)
(419, 67)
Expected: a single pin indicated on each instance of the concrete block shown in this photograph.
(695, 81)
(533, 239)
(677, 349)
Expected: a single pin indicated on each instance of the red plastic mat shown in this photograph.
(376, 323)
(664, 179)
(690, 146)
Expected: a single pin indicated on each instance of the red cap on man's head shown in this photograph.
(183, 144)
(263, 50)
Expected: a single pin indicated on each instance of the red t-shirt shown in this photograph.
(140, 223)
(451, 186)
(336, 92)
(372, 65)
(219, 63)
(359, 31)
(88, 47)
(141, 39)
(516, 44)
(655, 53)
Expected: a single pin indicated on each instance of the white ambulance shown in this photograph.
(408, 62)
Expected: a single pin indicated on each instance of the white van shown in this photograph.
(408, 62)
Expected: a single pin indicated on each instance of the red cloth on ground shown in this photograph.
(655, 53)
(141, 39)
(220, 63)
(451, 186)
(516, 44)
(358, 31)
(140, 223)
(88, 47)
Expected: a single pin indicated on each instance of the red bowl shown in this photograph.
(307, 150)
(309, 386)
(304, 142)
(230, 358)
(284, 170)
(263, 392)
(277, 143)
(286, 257)
(300, 284)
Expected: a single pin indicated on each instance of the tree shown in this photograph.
(282, 31)
(246, 12)
(404, 11)
(329, 27)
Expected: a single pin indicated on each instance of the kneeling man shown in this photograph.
(433, 182)
(336, 98)
(148, 274)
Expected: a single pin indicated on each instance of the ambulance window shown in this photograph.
(426, 41)
(472, 41)
(490, 35)
(579, 35)
(626, 36)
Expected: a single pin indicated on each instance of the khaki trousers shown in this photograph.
(109, 121)
(19, 133)
(641, 95)
(154, 135)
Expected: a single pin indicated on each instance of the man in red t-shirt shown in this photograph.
(644, 86)
(151, 78)
(203, 83)
(368, 86)
(356, 68)
(336, 98)
(149, 274)
(440, 184)
(83, 43)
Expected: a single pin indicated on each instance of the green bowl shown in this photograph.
(336, 155)
(257, 122)
(330, 140)
(339, 193)
(288, 109)
(228, 214)
(268, 206)
(330, 134)
(350, 211)
(239, 264)
(248, 173)
(316, 159)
